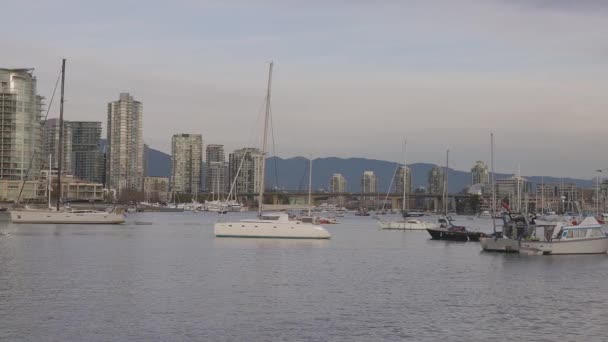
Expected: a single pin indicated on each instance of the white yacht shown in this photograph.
(408, 224)
(66, 216)
(564, 238)
(269, 225)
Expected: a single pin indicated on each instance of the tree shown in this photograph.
(475, 203)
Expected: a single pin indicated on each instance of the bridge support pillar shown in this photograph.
(396, 203)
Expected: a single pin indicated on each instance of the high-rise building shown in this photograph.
(404, 172)
(337, 183)
(215, 163)
(480, 174)
(86, 158)
(20, 125)
(246, 180)
(125, 153)
(156, 189)
(435, 180)
(50, 139)
(146, 159)
(186, 158)
(369, 182)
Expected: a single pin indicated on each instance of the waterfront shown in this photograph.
(173, 281)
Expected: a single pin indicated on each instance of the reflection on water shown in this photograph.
(173, 280)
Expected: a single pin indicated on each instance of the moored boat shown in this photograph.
(408, 224)
(66, 216)
(448, 231)
(584, 238)
(269, 225)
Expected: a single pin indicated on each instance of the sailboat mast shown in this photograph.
(492, 181)
(264, 141)
(49, 181)
(445, 182)
(309, 186)
(60, 144)
(404, 205)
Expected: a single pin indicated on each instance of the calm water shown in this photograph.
(173, 281)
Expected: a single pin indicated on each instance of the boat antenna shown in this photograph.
(309, 185)
(492, 180)
(445, 182)
(405, 203)
(265, 140)
(60, 144)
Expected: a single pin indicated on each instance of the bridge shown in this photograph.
(393, 200)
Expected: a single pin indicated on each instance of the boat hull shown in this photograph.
(400, 225)
(54, 217)
(274, 230)
(493, 244)
(583, 246)
(449, 235)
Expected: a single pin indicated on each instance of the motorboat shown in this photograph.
(586, 237)
(271, 225)
(448, 231)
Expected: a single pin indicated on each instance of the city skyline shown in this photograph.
(516, 80)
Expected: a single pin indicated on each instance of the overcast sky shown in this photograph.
(352, 78)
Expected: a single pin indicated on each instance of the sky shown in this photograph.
(351, 78)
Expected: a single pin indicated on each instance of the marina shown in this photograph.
(363, 284)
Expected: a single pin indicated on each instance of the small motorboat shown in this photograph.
(448, 231)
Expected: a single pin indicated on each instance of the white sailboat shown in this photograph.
(499, 241)
(277, 225)
(407, 223)
(64, 215)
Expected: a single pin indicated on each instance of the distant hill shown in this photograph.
(292, 173)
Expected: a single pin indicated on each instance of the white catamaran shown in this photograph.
(276, 225)
(61, 215)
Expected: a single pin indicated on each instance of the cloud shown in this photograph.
(352, 78)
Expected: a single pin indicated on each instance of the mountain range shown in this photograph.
(292, 173)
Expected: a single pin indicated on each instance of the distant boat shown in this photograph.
(406, 223)
(485, 214)
(276, 225)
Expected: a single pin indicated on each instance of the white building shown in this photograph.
(216, 174)
(435, 180)
(479, 173)
(156, 189)
(125, 152)
(337, 183)
(20, 125)
(404, 172)
(249, 161)
(186, 159)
